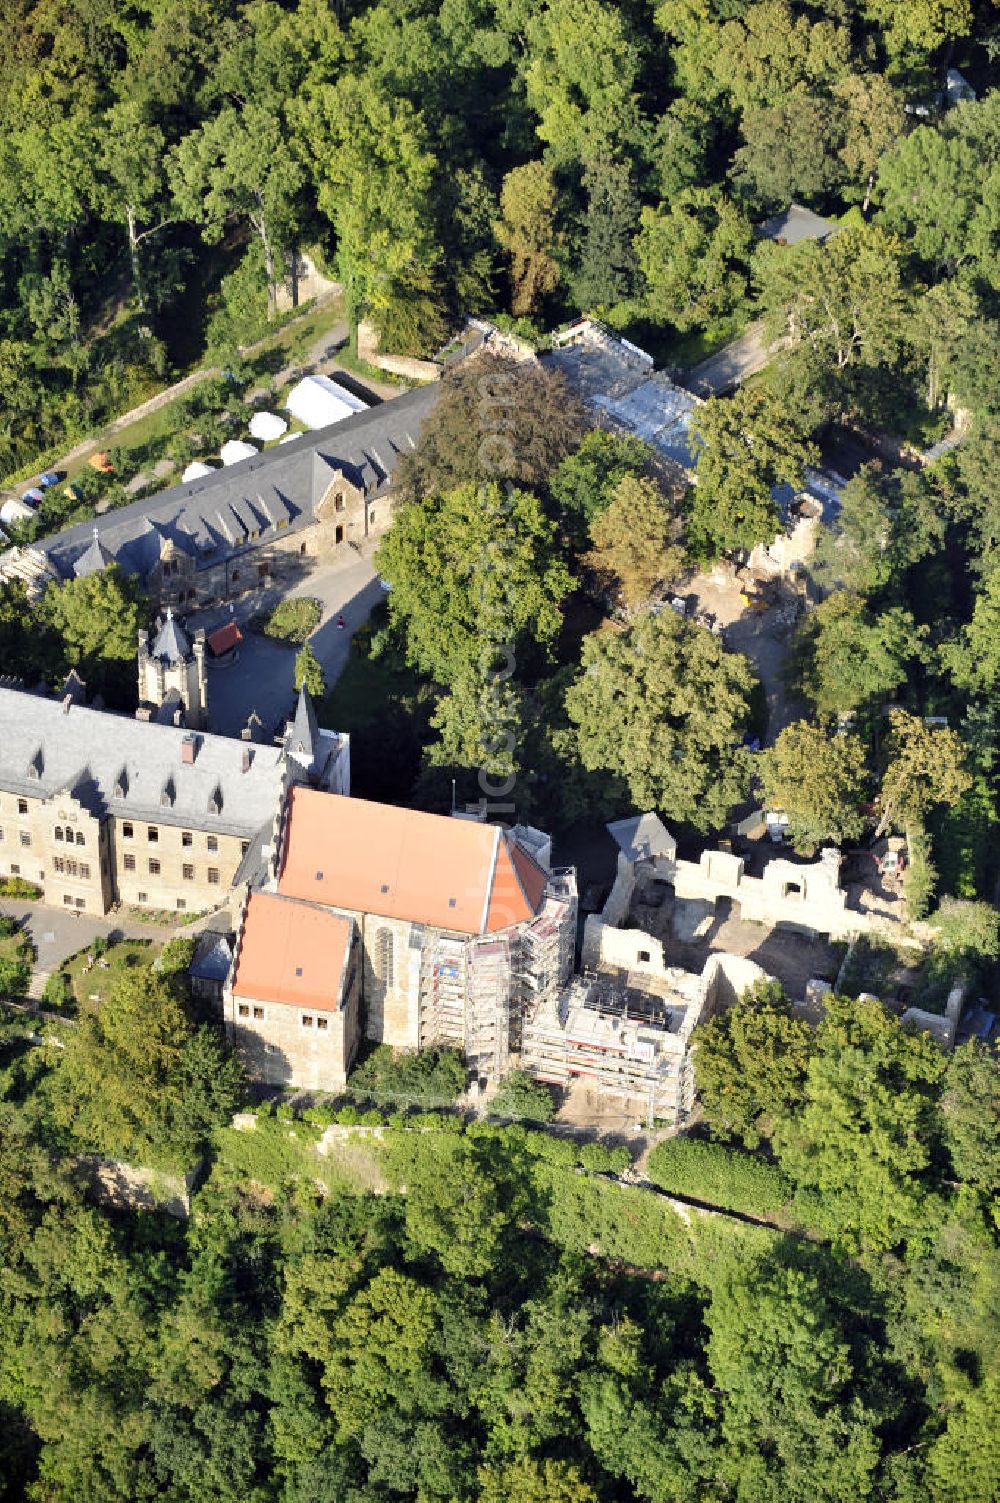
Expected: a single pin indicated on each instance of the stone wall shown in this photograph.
(74, 871)
(398, 365)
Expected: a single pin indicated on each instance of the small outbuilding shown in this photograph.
(319, 402)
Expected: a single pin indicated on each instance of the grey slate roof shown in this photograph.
(133, 768)
(794, 224)
(304, 734)
(96, 558)
(212, 958)
(643, 836)
(215, 517)
(172, 644)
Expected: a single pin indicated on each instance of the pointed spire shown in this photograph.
(304, 734)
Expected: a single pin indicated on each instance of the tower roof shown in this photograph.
(96, 558)
(172, 644)
(302, 738)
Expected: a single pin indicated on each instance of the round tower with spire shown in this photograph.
(173, 680)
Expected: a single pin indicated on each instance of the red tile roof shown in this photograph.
(455, 874)
(291, 952)
(227, 636)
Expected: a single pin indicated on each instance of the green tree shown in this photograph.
(132, 181)
(238, 166)
(744, 447)
(791, 1411)
(770, 53)
(309, 672)
(818, 780)
(118, 1083)
(791, 151)
(580, 72)
(521, 1096)
(694, 255)
(373, 162)
(608, 269)
(926, 767)
(963, 1463)
(97, 618)
(636, 542)
(873, 120)
(456, 1208)
(920, 26)
(530, 235)
(861, 1146)
(475, 574)
(846, 658)
(750, 1063)
(885, 525)
(664, 706)
(970, 1116)
(529, 1481)
(973, 660)
(843, 298)
(587, 479)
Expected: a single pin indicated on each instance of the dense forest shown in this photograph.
(162, 160)
(449, 1310)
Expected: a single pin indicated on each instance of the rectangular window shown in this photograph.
(22, 806)
(25, 838)
(188, 873)
(141, 898)
(321, 1023)
(1, 835)
(181, 905)
(58, 864)
(307, 1021)
(213, 876)
(258, 1013)
(244, 845)
(127, 831)
(81, 902)
(85, 871)
(68, 899)
(244, 1010)
(154, 868)
(213, 843)
(187, 838)
(129, 863)
(152, 834)
(71, 868)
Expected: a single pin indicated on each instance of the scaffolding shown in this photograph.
(624, 1042)
(442, 991)
(488, 1031)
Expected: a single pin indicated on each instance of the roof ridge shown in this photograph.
(488, 895)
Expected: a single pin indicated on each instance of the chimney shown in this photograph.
(247, 759)
(67, 701)
(189, 749)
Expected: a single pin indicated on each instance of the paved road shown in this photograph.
(731, 365)
(262, 679)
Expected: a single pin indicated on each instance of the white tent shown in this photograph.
(267, 425)
(197, 470)
(235, 450)
(289, 438)
(317, 401)
(15, 511)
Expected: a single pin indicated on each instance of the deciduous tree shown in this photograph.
(664, 705)
(636, 541)
(818, 780)
(750, 1063)
(530, 235)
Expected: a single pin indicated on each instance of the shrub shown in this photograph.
(294, 620)
(719, 1176)
(433, 1077)
(521, 1096)
(17, 887)
(600, 1159)
(59, 991)
(561, 1151)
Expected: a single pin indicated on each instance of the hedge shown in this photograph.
(719, 1176)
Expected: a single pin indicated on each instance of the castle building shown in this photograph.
(97, 809)
(252, 523)
(173, 679)
(459, 927)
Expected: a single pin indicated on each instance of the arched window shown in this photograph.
(69, 835)
(386, 958)
(80, 839)
(59, 834)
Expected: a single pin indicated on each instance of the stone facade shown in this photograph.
(283, 1044)
(57, 843)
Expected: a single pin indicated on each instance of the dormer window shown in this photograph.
(215, 800)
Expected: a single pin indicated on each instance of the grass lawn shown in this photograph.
(364, 690)
(91, 987)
